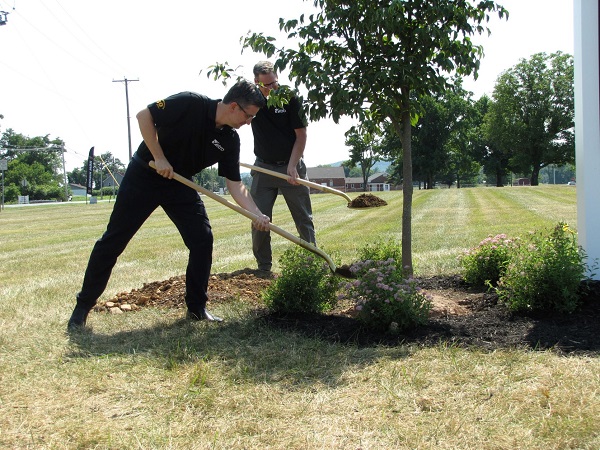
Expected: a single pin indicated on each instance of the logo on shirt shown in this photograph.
(160, 104)
(279, 111)
(218, 145)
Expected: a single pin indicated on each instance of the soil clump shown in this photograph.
(367, 201)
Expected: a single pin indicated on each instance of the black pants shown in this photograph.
(140, 193)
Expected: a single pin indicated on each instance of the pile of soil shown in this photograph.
(366, 201)
(461, 316)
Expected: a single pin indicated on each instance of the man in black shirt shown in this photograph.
(279, 142)
(184, 133)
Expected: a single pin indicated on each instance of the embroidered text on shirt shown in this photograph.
(218, 145)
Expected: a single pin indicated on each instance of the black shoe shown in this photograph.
(78, 318)
(202, 314)
(265, 274)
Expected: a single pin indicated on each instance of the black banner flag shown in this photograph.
(90, 172)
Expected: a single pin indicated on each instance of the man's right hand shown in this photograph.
(164, 168)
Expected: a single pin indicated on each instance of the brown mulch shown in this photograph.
(367, 201)
(461, 316)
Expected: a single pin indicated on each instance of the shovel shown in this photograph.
(342, 271)
(299, 180)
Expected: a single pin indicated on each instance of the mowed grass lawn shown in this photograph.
(149, 380)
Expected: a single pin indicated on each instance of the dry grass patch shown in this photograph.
(148, 379)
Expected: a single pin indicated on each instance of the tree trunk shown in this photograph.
(535, 175)
(405, 136)
(499, 177)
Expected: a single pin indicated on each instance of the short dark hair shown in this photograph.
(263, 68)
(244, 94)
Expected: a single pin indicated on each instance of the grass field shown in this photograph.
(150, 380)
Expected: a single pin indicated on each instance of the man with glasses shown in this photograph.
(184, 133)
(279, 142)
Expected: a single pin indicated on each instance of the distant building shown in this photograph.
(77, 189)
(333, 177)
(376, 182)
(109, 181)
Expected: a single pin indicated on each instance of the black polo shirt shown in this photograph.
(189, 138)
(274, 131)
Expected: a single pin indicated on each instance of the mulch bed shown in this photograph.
(461, 316)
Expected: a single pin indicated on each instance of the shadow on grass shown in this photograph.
(251, 347)
(305, 348)
(489, 327)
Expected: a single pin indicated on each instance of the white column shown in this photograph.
(587, 126)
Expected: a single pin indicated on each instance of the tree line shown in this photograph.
(526, 126)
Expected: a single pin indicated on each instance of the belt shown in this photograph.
(273, 163)
(141, 162)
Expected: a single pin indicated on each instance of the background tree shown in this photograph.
(102, 164)
(429, 140)
(533, 113)
(363, 152)
(38, 173)
(365, 58)
(495, 131)
(209, 178)
(463, 146)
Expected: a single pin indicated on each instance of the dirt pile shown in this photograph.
(367, 201)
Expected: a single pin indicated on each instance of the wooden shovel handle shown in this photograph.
(274, 228)
(299, 180)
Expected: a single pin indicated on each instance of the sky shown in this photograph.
(61, 63)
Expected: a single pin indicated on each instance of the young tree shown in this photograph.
(534, 113)
(368, 58)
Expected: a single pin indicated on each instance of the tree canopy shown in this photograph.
(34, 166)
(531, 120)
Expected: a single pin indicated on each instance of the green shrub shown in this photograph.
(382, 250)
(305, 284)
(385, 299)
(544, 274)
(484, 265)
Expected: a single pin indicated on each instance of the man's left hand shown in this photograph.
(261, 223)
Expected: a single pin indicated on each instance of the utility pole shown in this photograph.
(126, 81)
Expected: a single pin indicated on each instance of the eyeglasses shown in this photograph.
(270, 85)
(249, 116)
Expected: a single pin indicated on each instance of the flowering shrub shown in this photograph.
(385, 299)
(545, 273)
(381, 251)
(305, 284)
(485, 264)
